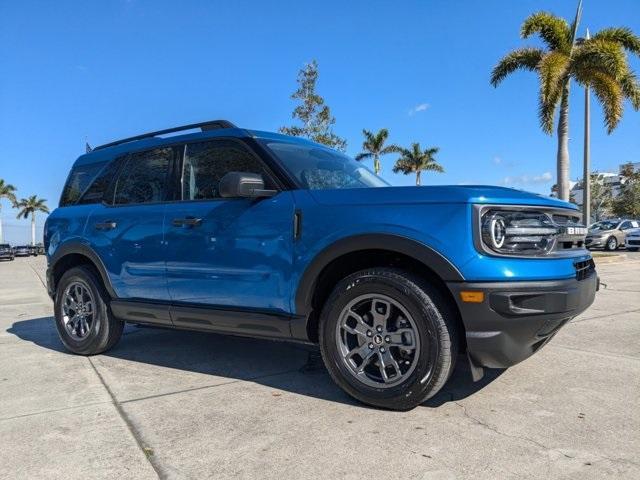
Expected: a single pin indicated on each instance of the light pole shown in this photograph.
(586, 173)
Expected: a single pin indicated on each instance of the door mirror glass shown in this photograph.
(244, 184)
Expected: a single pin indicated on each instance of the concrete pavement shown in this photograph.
(177, 404)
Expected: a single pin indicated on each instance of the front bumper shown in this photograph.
(515, 319)
(595, 242)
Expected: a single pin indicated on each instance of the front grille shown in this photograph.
(584, 269)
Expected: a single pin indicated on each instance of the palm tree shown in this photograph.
(374, 147)
(6, 191)
(599, 62)
(29, 206)
(415, 160)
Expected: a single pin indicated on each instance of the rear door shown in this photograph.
(234, 253)
(127, 229)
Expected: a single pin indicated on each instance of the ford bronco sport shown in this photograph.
(258, 234)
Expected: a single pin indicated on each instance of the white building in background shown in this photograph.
(613, 180)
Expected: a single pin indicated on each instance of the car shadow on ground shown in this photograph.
(282, 365)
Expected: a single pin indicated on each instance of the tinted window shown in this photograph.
(206, 163)
(78, 181)
(144, 177)
(625, 225)
(96, 192)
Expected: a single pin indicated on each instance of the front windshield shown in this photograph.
(320, 168)
(603, 226)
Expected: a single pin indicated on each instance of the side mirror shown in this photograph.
(243, 184)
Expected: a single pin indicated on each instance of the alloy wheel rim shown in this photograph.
(78, 310)
(378, 340)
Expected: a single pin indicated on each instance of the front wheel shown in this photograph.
(612, 244)
(388, 338)
(83, 318)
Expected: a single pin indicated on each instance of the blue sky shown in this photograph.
(102, 70)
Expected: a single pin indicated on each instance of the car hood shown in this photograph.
(480, 194)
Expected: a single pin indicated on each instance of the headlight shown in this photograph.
(518, 232)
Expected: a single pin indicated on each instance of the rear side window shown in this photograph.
(79, 179)
(98, 189)
(206, 163)
(143, 179)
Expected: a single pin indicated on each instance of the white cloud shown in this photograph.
(497, 160)
(421, 107)
(545, 177)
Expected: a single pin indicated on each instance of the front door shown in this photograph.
(232, 253)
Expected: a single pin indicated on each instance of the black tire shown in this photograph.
(435, 322)
(105, 330)
(611, 244)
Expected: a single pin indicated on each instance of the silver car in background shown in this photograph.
(610, 234)
(633, 240)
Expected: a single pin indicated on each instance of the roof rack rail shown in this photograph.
(203, 126)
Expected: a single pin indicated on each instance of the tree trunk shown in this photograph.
(418, 177)
(33, 228)
(1, 232)
(376, 164)
(563, 146)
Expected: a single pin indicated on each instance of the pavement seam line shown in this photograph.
(130, 426)
(195, 389)
(44, 284)
(604, 315)
(42, 412)
(593, 352)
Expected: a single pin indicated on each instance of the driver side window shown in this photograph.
(207, 162)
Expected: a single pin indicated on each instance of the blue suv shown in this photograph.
(258, 234)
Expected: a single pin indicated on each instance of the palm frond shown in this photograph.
(368, 136)
(433, 167)
(604, 55)
(520, 59)
(553, 72)
(609, 93)
(631, 89)
(622, 35)
(390, 149)
(363, 156)
(553, 30)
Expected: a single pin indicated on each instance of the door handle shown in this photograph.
(186, 222)
(108, 225)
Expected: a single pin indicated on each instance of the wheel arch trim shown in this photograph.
(78, 248)
(389, 242)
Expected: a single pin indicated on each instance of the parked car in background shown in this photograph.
(610, 234)
(259, 234)
(6, 252)
(40, 249)
(633, 240)
(22, 251)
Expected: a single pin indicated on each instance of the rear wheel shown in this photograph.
(388, 338)
(83, 318)
(612, 244)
